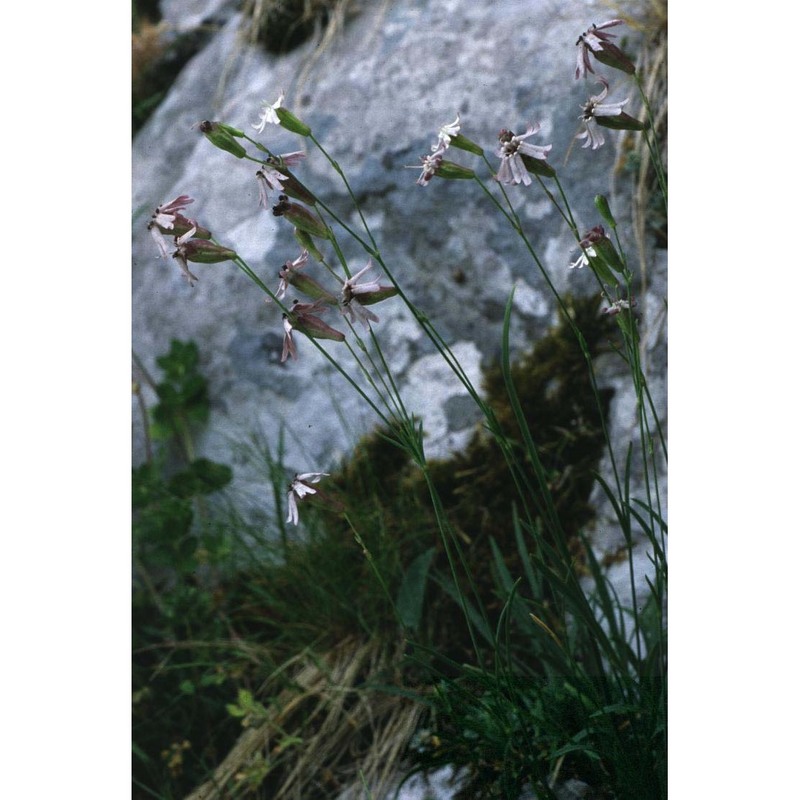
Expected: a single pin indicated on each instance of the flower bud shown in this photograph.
(222, 136)
(601, 204)
(203, 252)
(301, 217)
(308, 286)
(462, 143)
(307, 243)
(290, 122)
(452, 171)
(375, 296)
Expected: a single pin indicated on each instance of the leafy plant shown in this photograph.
(517, 645)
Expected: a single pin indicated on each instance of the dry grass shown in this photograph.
(147, 46)
(344, 728)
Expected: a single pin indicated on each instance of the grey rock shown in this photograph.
(375, 97)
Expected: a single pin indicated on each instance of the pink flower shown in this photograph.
(430, 164)
(165, 215)
(513, 169)
(304, 317)
(298, 489)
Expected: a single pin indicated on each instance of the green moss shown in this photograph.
(387, 499)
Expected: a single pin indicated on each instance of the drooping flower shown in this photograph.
(450, 136)
(593, 111)
(290, 184)
(276, 114)
(446, 133)
(304, 317)
(298, 489)
(200, 251)
(180, 256)
(268, 179)
(286, 273)
(166, 214)
(513, 149)
(430, 164)
(269, 114)
(583, 259)
(288, 343)
(168, 220)
(619, 305)
(290, 275)
(597, 42)
(357, 295)
(599, 253)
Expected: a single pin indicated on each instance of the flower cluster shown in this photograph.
(191, 241)
(595, 112)
(434, 163)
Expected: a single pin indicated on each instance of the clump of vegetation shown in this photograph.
(458, 598)
(207, 632)
(282, 25)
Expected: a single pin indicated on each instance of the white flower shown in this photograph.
(617, 306)
(180, 256)
(446, 132)
(286, 273)
(160, 240)
(351, 307)
(289, 348)
(583, 259)
(512, 168)
(298, 489)
(430, 164)
(269, 114)
(268, 179)
(595, 107)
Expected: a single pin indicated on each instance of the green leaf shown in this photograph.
(412, 591)
(201, 477)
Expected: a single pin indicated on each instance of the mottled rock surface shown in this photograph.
(375, 97)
